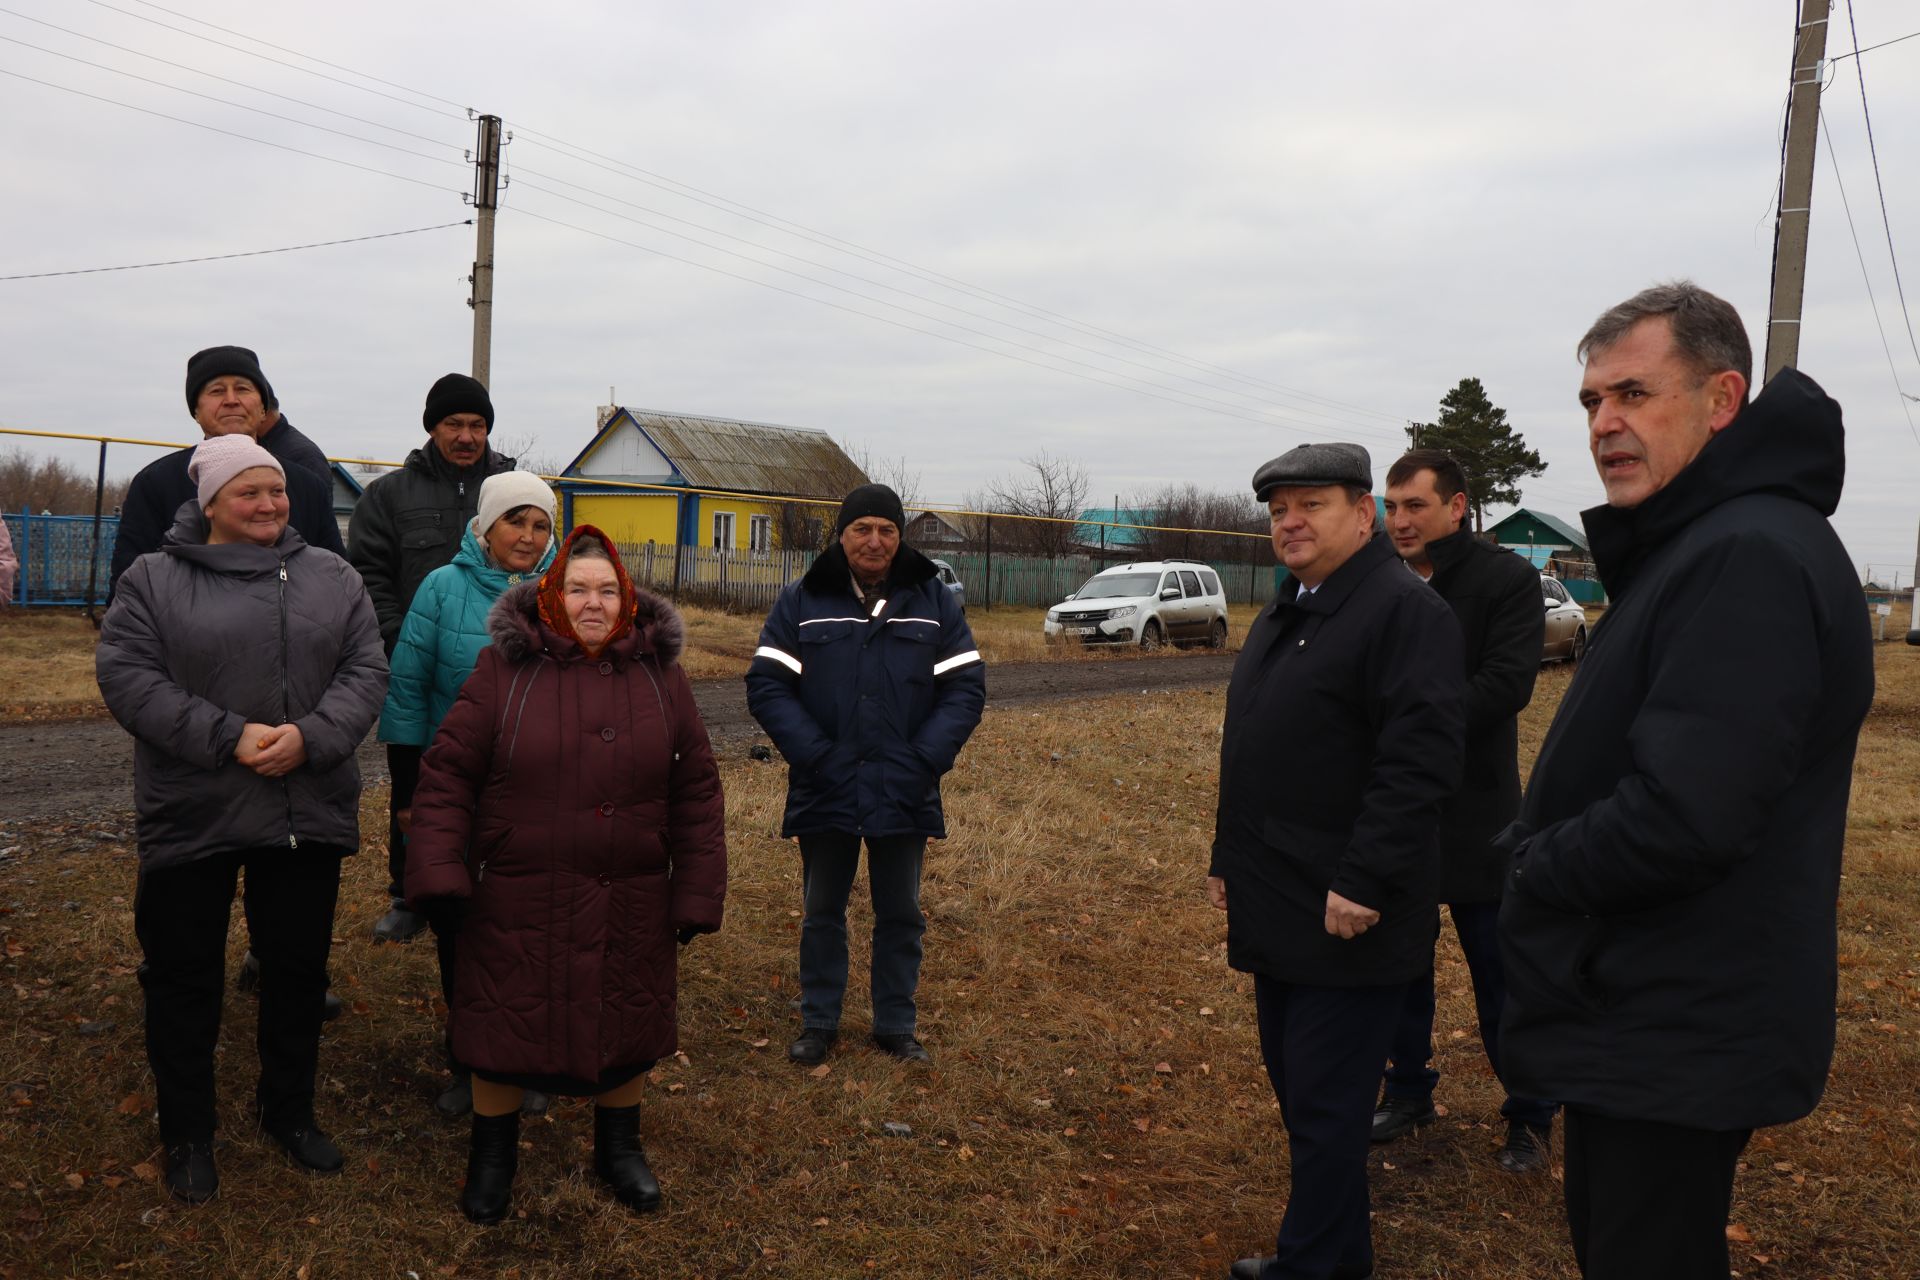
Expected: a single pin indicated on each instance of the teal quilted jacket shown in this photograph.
(441, 638)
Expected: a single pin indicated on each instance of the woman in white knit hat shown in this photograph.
(509, 540)
(248, 667)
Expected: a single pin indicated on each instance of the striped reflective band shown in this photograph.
(878, 605)
(784, 659)
(957, 660)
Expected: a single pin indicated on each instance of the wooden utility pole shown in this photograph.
(486, 200)
(1796, 189)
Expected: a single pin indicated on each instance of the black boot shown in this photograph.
(620, 1162)
(491, 1161)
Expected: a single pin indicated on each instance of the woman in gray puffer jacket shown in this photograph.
(248, 666)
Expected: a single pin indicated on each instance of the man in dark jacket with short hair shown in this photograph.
(868, 681)
(1342, 737)
(227, 393)
(1495, 596)
(1669, 921)
(407, 524)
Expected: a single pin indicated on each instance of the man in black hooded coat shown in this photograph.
(1669, 921)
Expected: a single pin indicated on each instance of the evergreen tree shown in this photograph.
(1476, 432)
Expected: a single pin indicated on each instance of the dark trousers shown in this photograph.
(446, 935)
(1324, 1048)
(1649, 1201)
(180, 915)
(403, 767)
(1409, 1073)
(893, 876)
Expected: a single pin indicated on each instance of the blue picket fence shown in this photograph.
(55, 555)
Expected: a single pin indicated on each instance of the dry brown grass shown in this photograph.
(46, 665)
(46, 656)
(1097, 1107)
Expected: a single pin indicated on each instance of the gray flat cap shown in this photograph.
(1315, 464)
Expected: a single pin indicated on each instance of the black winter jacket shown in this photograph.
(409, 522)
(869, 703)
(1495, 596)
(153, 499)
(1342, 738)
(1668, 929)
(203, 639)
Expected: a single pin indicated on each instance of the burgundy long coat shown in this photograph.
(577, 803)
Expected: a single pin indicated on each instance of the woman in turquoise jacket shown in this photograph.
(510, 540)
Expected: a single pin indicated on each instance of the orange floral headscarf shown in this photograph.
(552, 592)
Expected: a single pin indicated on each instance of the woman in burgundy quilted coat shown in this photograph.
(569, 816)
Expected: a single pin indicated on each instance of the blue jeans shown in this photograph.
(1323, 1047)
(893, 876)
(1409, 1074)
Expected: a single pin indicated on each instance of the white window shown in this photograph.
(759, 533)
(723, 531)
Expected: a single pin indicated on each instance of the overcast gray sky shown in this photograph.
(1306, 222)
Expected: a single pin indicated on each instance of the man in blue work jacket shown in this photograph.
(868, 681)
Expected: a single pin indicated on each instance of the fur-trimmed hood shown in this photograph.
(515, 627)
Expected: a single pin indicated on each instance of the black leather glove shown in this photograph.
(445, 915)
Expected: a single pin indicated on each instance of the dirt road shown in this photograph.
(85, 768)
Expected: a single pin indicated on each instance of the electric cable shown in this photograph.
(827, 240)
(1899, 393)
(522, 211)
(419, 93)
(241, 106)
(867, 297)
(785, 225)
(278, 146)
(1874, 152)
(223, 257)
(194, 35)
(199, 71)
(522, 172)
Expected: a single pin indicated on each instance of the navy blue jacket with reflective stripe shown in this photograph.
(869, 702)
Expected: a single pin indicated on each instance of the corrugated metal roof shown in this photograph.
(751, 457)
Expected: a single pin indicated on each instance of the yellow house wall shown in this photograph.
(743, 510)
(627, 517)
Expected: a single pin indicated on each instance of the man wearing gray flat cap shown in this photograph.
(1344, 727)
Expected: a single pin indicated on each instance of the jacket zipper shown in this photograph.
(286, 788)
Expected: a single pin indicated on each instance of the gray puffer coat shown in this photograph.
(202, 640)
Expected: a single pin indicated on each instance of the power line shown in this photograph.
(419, 93)
(292, 66)
(1868, 280)
(251, 253)
(244, 137)
(1874, 152)
(827, 240)
(1191, 399)
(521, 211)
(737, 209)
(241, 106)
(1857, 50)
(524, 172)
(200, 71)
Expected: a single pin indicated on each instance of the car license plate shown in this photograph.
(1082, 631)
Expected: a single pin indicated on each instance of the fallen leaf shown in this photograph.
(1739, 1234)
(75, 1181)
(1143, 1124)
(131, 1105)
(821, 1072)
(1162, 1068)
(761, 1043)
(146, 1172)
(965, 1152)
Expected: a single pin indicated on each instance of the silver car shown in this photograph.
(1566, 622)
(951, 581)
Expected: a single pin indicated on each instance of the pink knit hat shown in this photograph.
(220, 458)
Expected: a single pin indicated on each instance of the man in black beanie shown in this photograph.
(227, 394)
(408, 523)
(868, 681)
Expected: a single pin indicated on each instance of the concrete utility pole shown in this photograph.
(486, 200)
(1796, 189)
(1913, 604)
